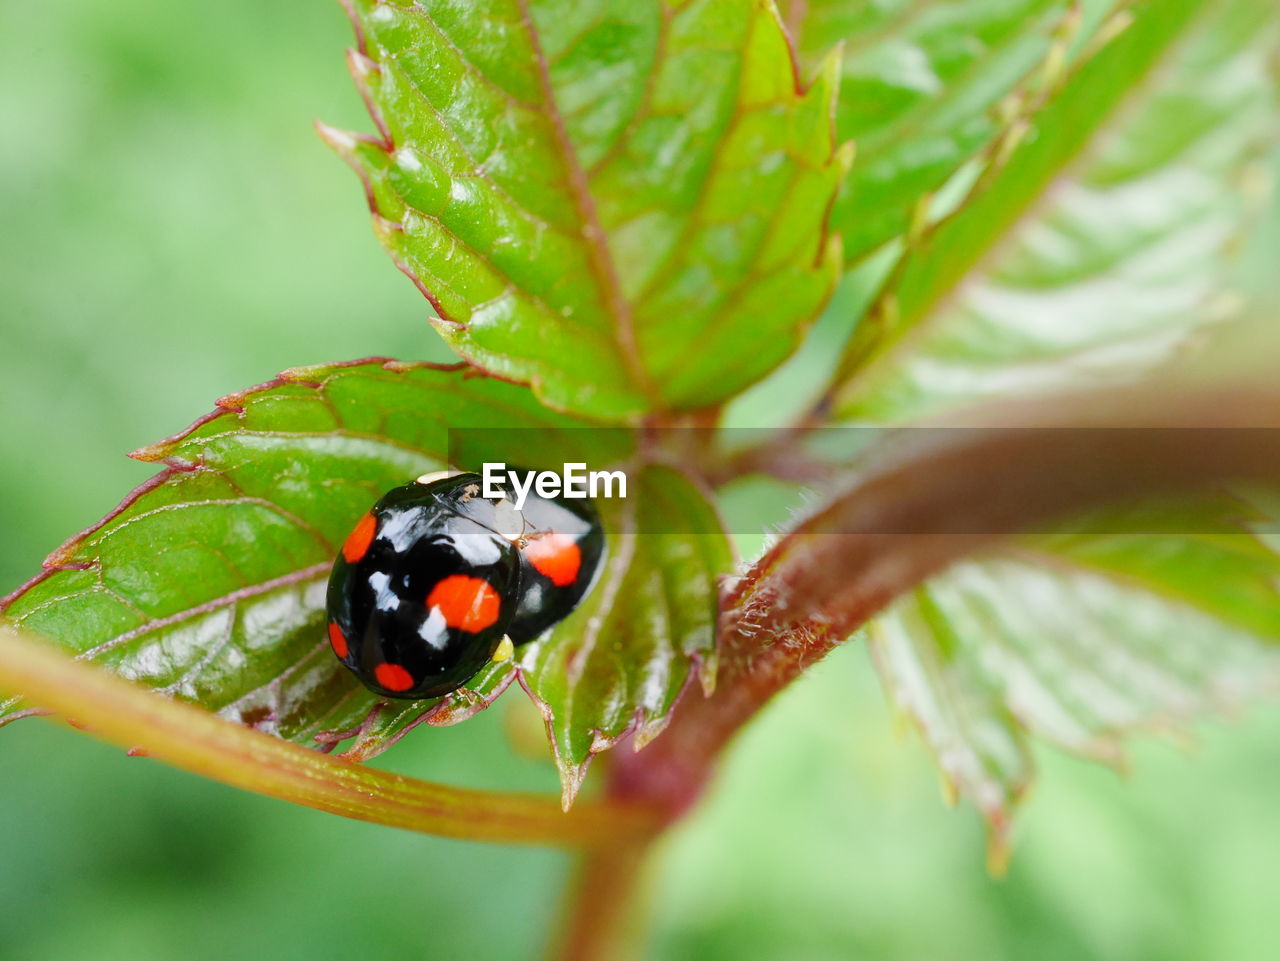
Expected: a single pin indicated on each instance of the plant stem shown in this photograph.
(600, 913)
(918, 503)
(195, 740)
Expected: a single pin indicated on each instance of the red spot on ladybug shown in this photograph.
(467, 603)
(556, 557)
(337, 639)
(358, 541)
(393, 677)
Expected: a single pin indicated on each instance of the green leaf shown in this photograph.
(617, 665)
(1081, 638)
(925, 89)
(622, 204)
(1101, 249)
(208, 582)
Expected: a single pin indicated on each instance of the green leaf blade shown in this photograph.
(1126, 192)
(617, 665)
(926, 89)
(634, 183)
(1080, 639)
(208, 582)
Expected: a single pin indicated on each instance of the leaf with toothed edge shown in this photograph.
(926, 88)
(1130, 191)
(1081, 639)
(1126, 192)
(208, 581)
(616, 666)
(623, 204)
(388, 721)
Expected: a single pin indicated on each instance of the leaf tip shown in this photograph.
(844, 156)
(310, 376)
(361, 66)
(647, 729)
(387, 231)
(342, 142)
(571, 778)
(827, 77)
(151, 453)
(448, 328)
(571, 774)
(232, 403)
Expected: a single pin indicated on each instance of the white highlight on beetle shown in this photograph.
(574, 482)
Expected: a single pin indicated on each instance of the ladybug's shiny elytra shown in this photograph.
(435, 576)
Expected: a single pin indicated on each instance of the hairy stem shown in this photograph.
(195, 740)
(919, 502)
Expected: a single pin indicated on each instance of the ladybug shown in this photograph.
(437, 580)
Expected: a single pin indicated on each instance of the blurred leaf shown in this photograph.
(208, 582)
(1101, 249)
(925, 88)
(623, 204)
(1081, 638)
(617, 664)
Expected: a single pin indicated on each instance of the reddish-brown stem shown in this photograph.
(601, 911)
(918, 503)
(921, 502)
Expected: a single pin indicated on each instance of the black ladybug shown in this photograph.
(436, 580)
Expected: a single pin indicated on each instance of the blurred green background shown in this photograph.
(173, 230)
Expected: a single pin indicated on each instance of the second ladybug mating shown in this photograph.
(436, 580)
